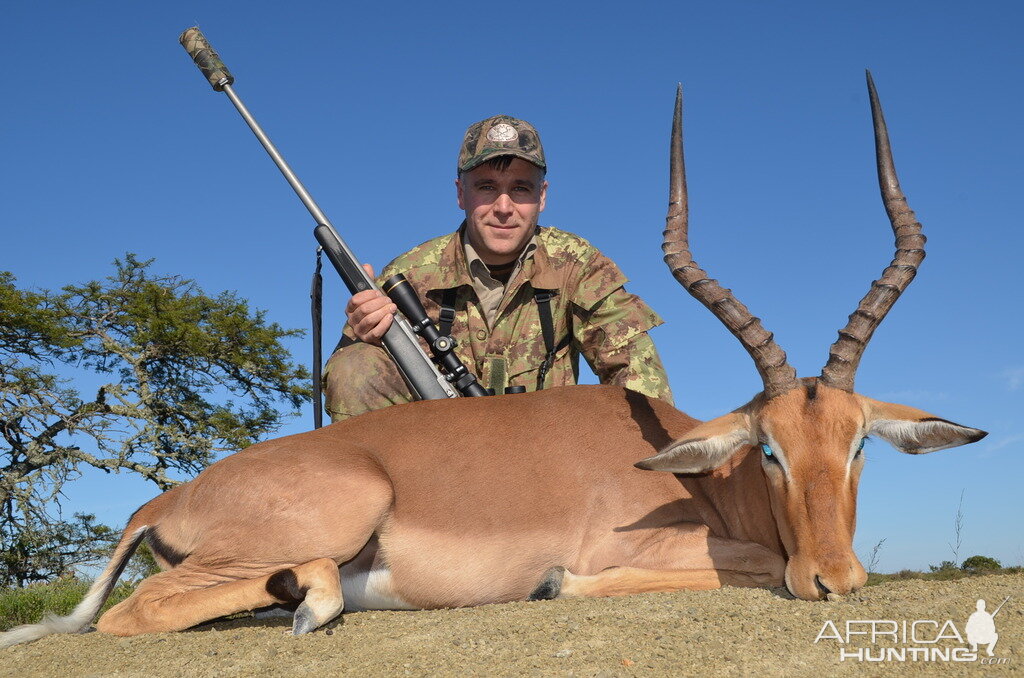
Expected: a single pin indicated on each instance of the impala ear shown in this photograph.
(915, 431)
(704, 448)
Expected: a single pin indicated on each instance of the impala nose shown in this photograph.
(839, 583)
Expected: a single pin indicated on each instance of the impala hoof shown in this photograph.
(550, 584)
(304, 621)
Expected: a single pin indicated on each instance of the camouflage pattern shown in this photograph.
(609, 326)
(500, 135)
(194, 42)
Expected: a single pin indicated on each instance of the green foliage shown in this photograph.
(43, 550)
(29, 325)
(909, 574)
(947, 571)
(187, 376)
(28, 605)
(944, 566)
(976, 564)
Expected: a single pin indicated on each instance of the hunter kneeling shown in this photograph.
(522, 301)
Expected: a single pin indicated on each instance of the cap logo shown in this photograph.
(502, 132)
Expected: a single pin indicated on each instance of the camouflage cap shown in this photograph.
(500, 135)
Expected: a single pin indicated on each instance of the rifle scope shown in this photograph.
(402, 293)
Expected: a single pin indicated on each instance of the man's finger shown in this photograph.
(378, 332)
(370, 307)
(370, 299)
(370, 318)
(369, 270)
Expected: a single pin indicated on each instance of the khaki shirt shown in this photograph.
(488, 290)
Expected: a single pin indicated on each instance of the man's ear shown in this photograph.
(543, 195)
(915, 431)
(458, 193)
(705, 447)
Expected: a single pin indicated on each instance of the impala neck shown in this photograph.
(733, 501)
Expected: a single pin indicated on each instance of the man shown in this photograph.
(494, 285)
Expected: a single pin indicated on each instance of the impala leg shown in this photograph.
(318, 585)
(683, 558)
(624, 581)
(183, 597)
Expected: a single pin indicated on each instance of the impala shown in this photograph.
(485, 500)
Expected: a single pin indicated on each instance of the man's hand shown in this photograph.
(370, 313)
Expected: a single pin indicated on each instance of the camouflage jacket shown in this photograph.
(609, 325)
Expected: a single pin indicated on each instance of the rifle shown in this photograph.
(425, 381)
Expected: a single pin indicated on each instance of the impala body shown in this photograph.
(548, 494)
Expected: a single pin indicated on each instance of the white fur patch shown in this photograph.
(370, 590)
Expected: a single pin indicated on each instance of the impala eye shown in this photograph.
(860, 448)
(767, 451)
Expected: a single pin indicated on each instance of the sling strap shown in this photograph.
(316, 310)
(447, 316)
(547, 326)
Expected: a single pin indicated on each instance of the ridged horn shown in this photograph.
(845, 354)
(770, 360)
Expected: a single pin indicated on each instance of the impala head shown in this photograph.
(809, 433)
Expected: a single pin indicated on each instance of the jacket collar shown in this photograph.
(453, 270)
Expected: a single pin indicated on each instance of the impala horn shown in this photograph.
(844, 356)
(776, 373)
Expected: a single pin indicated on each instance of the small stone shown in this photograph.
(834, 598)
(562, 653)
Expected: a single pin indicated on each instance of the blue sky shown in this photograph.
(113, 142)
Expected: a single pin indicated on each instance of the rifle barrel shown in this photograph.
(423, 379)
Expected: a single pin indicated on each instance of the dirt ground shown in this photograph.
(729, 632)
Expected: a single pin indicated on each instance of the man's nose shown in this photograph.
(504, 205)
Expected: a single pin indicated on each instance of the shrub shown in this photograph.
(977, 564)
(28, 605)
(908, 574)
(944, 566)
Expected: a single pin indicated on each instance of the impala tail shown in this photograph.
(85, 612)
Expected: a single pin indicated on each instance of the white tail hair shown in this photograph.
(85, 611)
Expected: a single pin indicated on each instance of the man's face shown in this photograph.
(501, 208)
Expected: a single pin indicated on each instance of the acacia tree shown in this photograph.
(182, 377)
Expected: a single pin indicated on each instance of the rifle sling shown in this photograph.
(316, 310)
